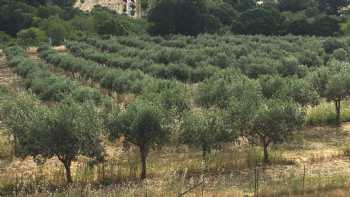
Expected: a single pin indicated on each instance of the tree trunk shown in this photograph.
(143, 154)
(67, 165)
(266, 143)
(266, 154)
(337, 111)
(206, 150)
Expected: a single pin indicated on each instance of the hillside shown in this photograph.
(211, 98)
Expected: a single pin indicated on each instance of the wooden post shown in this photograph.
(304, 174)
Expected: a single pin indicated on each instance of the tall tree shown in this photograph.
(178, 16)
(224, 12)
(15, 16)
(260, 21)
(162, 16)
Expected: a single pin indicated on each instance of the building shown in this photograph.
(128, 7)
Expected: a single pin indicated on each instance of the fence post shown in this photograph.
(304, 174)
(203, 186)
(256, 182)
(144, 184)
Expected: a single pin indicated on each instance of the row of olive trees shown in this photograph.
(148, 61)
(267, 110)
(69, 129)
(246, 110)
(254, 55)
(42, 82)
(114, 79)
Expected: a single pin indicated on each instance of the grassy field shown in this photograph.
(314, 162)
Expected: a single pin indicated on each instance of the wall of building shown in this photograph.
(129, 7)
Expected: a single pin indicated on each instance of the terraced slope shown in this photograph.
(6, 76)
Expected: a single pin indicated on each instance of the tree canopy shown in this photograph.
(274, 121)
(65, 131)
(206, 129)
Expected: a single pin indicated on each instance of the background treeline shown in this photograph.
(33, 22)
(269, 17)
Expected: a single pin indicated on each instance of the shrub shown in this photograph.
(83, 95)
(340, 54)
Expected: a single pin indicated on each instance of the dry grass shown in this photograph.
(229, 171)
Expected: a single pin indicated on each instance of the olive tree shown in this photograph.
(274, 121)
(219, 89)
(31, 37)
(333, 83)
(170, 94)
(65, 131)
(26, 123)
(143, 126)
(299, 90)
(76, 130)
(338, 89)
(205, 129)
